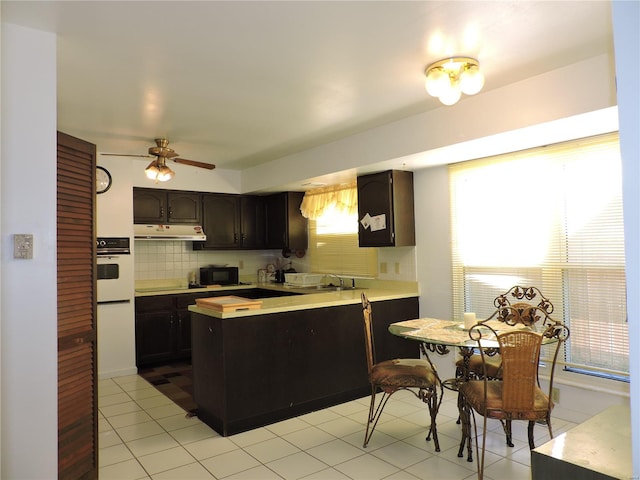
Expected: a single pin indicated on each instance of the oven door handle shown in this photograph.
(112, 302)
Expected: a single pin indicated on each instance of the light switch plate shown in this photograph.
(23, 245)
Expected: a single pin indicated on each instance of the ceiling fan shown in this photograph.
(158, 170)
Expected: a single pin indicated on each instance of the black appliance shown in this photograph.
(219, 275)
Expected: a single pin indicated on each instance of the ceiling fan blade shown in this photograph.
(193, 163)
(126, 155)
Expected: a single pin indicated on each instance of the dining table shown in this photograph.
(438, 336)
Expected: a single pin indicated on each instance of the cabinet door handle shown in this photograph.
(170, 213)
(161, 211)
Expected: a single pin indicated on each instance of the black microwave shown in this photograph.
(219, 275)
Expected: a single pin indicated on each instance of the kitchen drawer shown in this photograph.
(154, 303)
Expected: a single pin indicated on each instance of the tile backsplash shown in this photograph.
(169, 259)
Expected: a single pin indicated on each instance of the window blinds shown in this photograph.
(549, 217)
(333, 234)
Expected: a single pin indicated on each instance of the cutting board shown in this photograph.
(229, 303)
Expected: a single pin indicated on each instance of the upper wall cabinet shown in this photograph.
(385, 209)
(232, 222)
(156, 206)
(252, 221)
(285, 226)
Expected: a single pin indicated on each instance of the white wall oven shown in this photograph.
(114, 269)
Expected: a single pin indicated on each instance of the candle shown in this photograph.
(469, 320)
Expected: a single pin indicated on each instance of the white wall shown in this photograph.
(433, 235)
(28, 295)
(626, 17)
(116, 322)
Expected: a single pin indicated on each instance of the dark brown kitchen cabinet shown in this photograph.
(299, 361)
(385, 200)
(156, 327)
(220, 221)
(286, 228)
(156, 206)
(252, 221)
(163, 327)
(232, 222)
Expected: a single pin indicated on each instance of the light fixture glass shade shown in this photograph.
(471, 80)
(165, 174)
(437, 82)
(451, 95)
(152, 170)
(158, 172)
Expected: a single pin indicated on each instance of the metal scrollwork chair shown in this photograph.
(413, 374)
(517, 396)
(520, 311)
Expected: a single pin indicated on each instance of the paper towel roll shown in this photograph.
(469, 320)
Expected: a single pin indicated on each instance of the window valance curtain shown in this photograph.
(343, 198)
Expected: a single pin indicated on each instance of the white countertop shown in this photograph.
(376, 290)
(314, 300)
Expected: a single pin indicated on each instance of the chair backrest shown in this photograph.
(368, 332)
(520, 351)
(516, 305)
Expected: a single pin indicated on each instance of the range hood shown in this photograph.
(168, 232)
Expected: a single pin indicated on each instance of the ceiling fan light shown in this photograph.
(471, 80)
(164, 174)
(437, 81)
(152, 170)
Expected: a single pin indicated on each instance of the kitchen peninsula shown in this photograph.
(296, 354)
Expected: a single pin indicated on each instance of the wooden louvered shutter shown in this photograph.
(77, 356)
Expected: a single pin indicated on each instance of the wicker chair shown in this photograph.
(413, 374)
(518, 395)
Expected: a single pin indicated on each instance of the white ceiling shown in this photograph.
(241, 83)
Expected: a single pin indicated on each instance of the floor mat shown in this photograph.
(173, 380)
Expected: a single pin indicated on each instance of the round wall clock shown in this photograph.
(103, 180)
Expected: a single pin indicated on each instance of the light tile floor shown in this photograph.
(144, 435)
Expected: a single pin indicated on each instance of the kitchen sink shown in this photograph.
(327, 288)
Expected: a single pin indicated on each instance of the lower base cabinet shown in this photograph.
(256, 370)
(163, 323)
(163, 328)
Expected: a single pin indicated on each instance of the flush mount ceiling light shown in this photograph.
(449, 78)
(158, 170)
